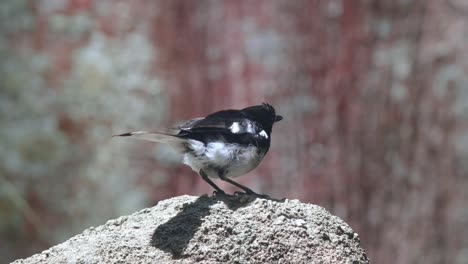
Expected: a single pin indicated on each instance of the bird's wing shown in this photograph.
(229, 121)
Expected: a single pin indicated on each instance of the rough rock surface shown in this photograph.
(230, 229)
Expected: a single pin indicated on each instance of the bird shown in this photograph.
(223, 145)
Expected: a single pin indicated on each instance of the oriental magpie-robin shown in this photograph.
(223, 145)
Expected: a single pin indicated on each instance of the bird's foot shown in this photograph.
(219, 193)
(252, 193)
(263, 196)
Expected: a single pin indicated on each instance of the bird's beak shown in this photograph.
(278, 118)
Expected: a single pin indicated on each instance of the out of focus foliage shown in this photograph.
(374, 95)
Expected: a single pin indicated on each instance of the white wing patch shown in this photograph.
(263, 134)
(235, 128)
(245, 127)
(250, 128)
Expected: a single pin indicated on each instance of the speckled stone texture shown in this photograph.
(228, 229)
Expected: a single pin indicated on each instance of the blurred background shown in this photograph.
(374, 95)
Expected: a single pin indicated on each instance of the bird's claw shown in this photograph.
(237, 193)
(264, 196)
(219, 193)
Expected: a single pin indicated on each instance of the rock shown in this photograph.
(220, 229)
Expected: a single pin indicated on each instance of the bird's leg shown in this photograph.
(245, 189)
(210, 182)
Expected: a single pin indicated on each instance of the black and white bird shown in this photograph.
(222, 145)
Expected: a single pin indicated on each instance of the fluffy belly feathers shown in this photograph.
(219, 157)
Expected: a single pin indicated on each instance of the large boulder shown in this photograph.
(219, 229)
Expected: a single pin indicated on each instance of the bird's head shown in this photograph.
(264, 114)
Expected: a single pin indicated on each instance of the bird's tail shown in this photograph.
(175, 142)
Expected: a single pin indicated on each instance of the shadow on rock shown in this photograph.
(174, 235)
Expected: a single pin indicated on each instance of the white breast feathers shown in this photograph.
(216, 157)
